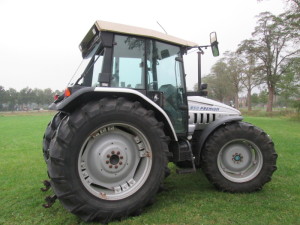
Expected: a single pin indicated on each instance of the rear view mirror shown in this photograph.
(214, 44)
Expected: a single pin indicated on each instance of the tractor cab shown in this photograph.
(121, 56)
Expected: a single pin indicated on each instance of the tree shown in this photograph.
(3, 97)
(12, 98)
(234, 72)
(251, 72)
(219, 87)
(48, 96)
(42, 97)
(38, 96)
(263, 97)
(292, 13)
(26, 96)
(289, 85)
(255, 98)
(296, 105)
(293, 16)
(274, 45)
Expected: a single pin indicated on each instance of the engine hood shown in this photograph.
(201, 104)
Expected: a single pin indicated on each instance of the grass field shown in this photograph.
(189, 199)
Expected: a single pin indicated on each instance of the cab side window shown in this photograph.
(128, 62)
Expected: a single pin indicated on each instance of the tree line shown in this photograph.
(268, 61)
(25, 99)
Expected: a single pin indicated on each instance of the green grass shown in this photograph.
(277, 112)
(189, 199)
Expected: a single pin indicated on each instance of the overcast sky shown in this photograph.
(39, 38)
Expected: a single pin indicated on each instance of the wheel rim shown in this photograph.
(240, 160)
(115, 161)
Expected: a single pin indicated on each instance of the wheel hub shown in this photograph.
(237, 158)
(114, 159)
(240, 160)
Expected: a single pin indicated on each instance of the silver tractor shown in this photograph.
(126, 113)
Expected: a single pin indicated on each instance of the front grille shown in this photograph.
(204, 118)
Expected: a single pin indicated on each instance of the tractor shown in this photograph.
(126, 114)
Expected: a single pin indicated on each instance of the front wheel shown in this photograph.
(107, 159)
(239, 157)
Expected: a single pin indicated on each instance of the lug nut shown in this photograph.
(116, 166)
(110, 166)
(108, 156)
(107, 161)
(120, 163)
(113, 152)
(118, 153)
(121, 157)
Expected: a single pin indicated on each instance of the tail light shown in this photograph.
(56, 97)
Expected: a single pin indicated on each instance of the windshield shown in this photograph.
(91, 63)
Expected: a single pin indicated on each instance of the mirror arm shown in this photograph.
(199, 47)
(204, 46)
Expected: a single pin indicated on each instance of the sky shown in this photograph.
(39, 38)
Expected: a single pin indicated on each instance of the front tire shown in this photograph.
(239, 157)
(107, 159)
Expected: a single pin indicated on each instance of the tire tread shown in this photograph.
(213, 145)
(64, 136)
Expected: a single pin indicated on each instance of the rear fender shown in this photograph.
(87, 94)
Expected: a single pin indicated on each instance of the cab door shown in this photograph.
(165, 75)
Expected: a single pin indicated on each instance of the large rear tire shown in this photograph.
(107, 159)
(239, 157)
(50, 132)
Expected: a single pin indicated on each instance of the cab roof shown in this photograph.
(138, 31)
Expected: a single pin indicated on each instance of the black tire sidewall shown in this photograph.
(151, 185)
(220, 138)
